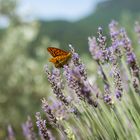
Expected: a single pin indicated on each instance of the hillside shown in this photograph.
(77, 32)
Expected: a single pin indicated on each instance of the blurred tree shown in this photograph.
(8, 7)
(8, 11)
(22, 83)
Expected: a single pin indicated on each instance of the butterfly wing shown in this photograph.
(59, 61)
(56, 52)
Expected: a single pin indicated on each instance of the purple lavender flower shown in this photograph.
(101, 39)
(114, 31)
(41, 124)
(77, 63)
(54, 79)
(28, 130)
(94, 49)
(137, 30)
(108, 98)
(51, 117)
(131, 59)
(11, 135)
(60, 111)
(98, 50)
(48, 111)
(109, 53)
(118, 94)
(73, 81)
(79, 85)
(115, 38)
(116, 75)
(115, 51)
(102, 45)
(100, 54)
(107, 95)
(56, 75)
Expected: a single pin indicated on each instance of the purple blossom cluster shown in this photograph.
(48, 111)
(74, 78)
(137, 30)
(56, 84)
(43, 131)
(103, 54)
(131, 60)
(28, 130)
(11, 134)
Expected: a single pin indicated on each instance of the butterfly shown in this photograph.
(60, 57)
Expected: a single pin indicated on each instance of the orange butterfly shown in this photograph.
(60, 57)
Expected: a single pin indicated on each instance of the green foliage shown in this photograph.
(22, 83)
(15, 88)
(119, 122)
(8, 7)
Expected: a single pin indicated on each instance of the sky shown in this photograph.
(71, 10)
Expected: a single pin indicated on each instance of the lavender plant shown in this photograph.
(99, 111)
(11, 135)
(28, 130)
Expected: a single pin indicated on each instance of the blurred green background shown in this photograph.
(23, 54)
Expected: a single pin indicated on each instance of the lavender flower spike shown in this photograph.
(115, 38)
(79, 85)
(41, 124)
(114, 31)
(11, 135)
(48, 112)
(77, 63)
(137, 30)
(131, 59)
(98, 48)
(28, 130)
(96, 53)
(55, 82)
(101, 39)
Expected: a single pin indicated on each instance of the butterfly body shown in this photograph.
(60, 57)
